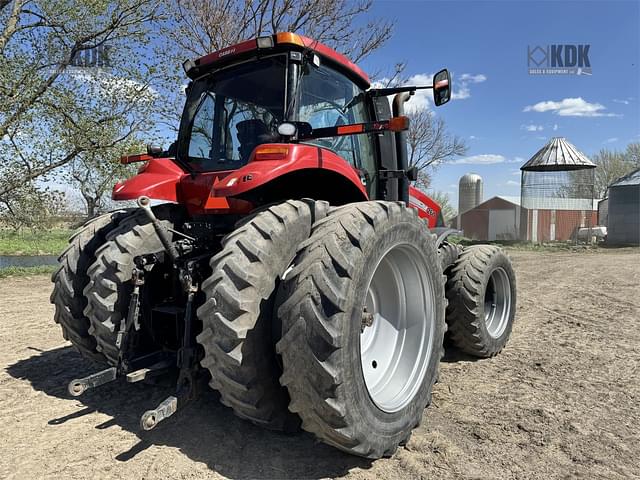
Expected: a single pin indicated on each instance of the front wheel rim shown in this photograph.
(497, 302)
(398, 328)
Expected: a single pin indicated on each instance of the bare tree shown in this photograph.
(632, 153)
(611, 166)
(204, 26)
(429, 144)
(442, 199)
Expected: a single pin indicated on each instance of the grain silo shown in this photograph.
(469, 195)
(557, 193)
(470, 192)
(624, 210)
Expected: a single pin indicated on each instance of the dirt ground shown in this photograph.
(561, 401)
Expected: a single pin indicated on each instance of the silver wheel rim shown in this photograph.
(396, 347)
(497, 302)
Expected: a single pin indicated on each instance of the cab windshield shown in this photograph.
(232, 111)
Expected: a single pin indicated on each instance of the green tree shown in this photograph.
(32, 207)
(51, 111)
(93, 174)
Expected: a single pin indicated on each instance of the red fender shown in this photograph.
(297, 157)
(163, 179)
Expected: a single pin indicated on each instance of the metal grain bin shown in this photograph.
(624, 210)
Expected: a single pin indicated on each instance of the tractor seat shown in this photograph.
(251, 133)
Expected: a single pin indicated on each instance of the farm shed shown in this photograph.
(624, 210)
(495, 219)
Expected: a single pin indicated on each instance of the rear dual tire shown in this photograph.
(71, 278)
(108, 291)
(237, 314)
(379, 256)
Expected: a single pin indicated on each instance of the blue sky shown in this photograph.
(487, 41)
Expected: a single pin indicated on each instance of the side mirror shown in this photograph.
(441, 87)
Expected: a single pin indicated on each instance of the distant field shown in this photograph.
(50, 242)
(27, 271)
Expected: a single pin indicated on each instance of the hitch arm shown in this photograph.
(145, 204)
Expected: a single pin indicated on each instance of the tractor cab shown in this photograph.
(284, 116)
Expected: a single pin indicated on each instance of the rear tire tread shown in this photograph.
(311, 296)
(109, 286)
(71, 278)
(465, 292)
(237, 312)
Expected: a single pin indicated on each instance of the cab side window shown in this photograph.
(329, 99)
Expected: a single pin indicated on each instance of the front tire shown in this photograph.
(362, 315)
(481, 290)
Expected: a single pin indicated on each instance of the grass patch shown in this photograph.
(27, 271)
(49, 242)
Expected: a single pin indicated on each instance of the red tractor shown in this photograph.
(291, 263)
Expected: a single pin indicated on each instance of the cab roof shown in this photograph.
(281, 41)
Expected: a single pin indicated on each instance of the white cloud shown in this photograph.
(555, 127)
(624, 102)
(488, 159)
(422, 99)
(532, 128)
(472, 137)
(483, 159)
(461, 88)
(460, 93)
(467, 77)
(512, 183)
(611, 140)
(570, 107)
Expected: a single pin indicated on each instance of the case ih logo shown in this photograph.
(558, 60)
